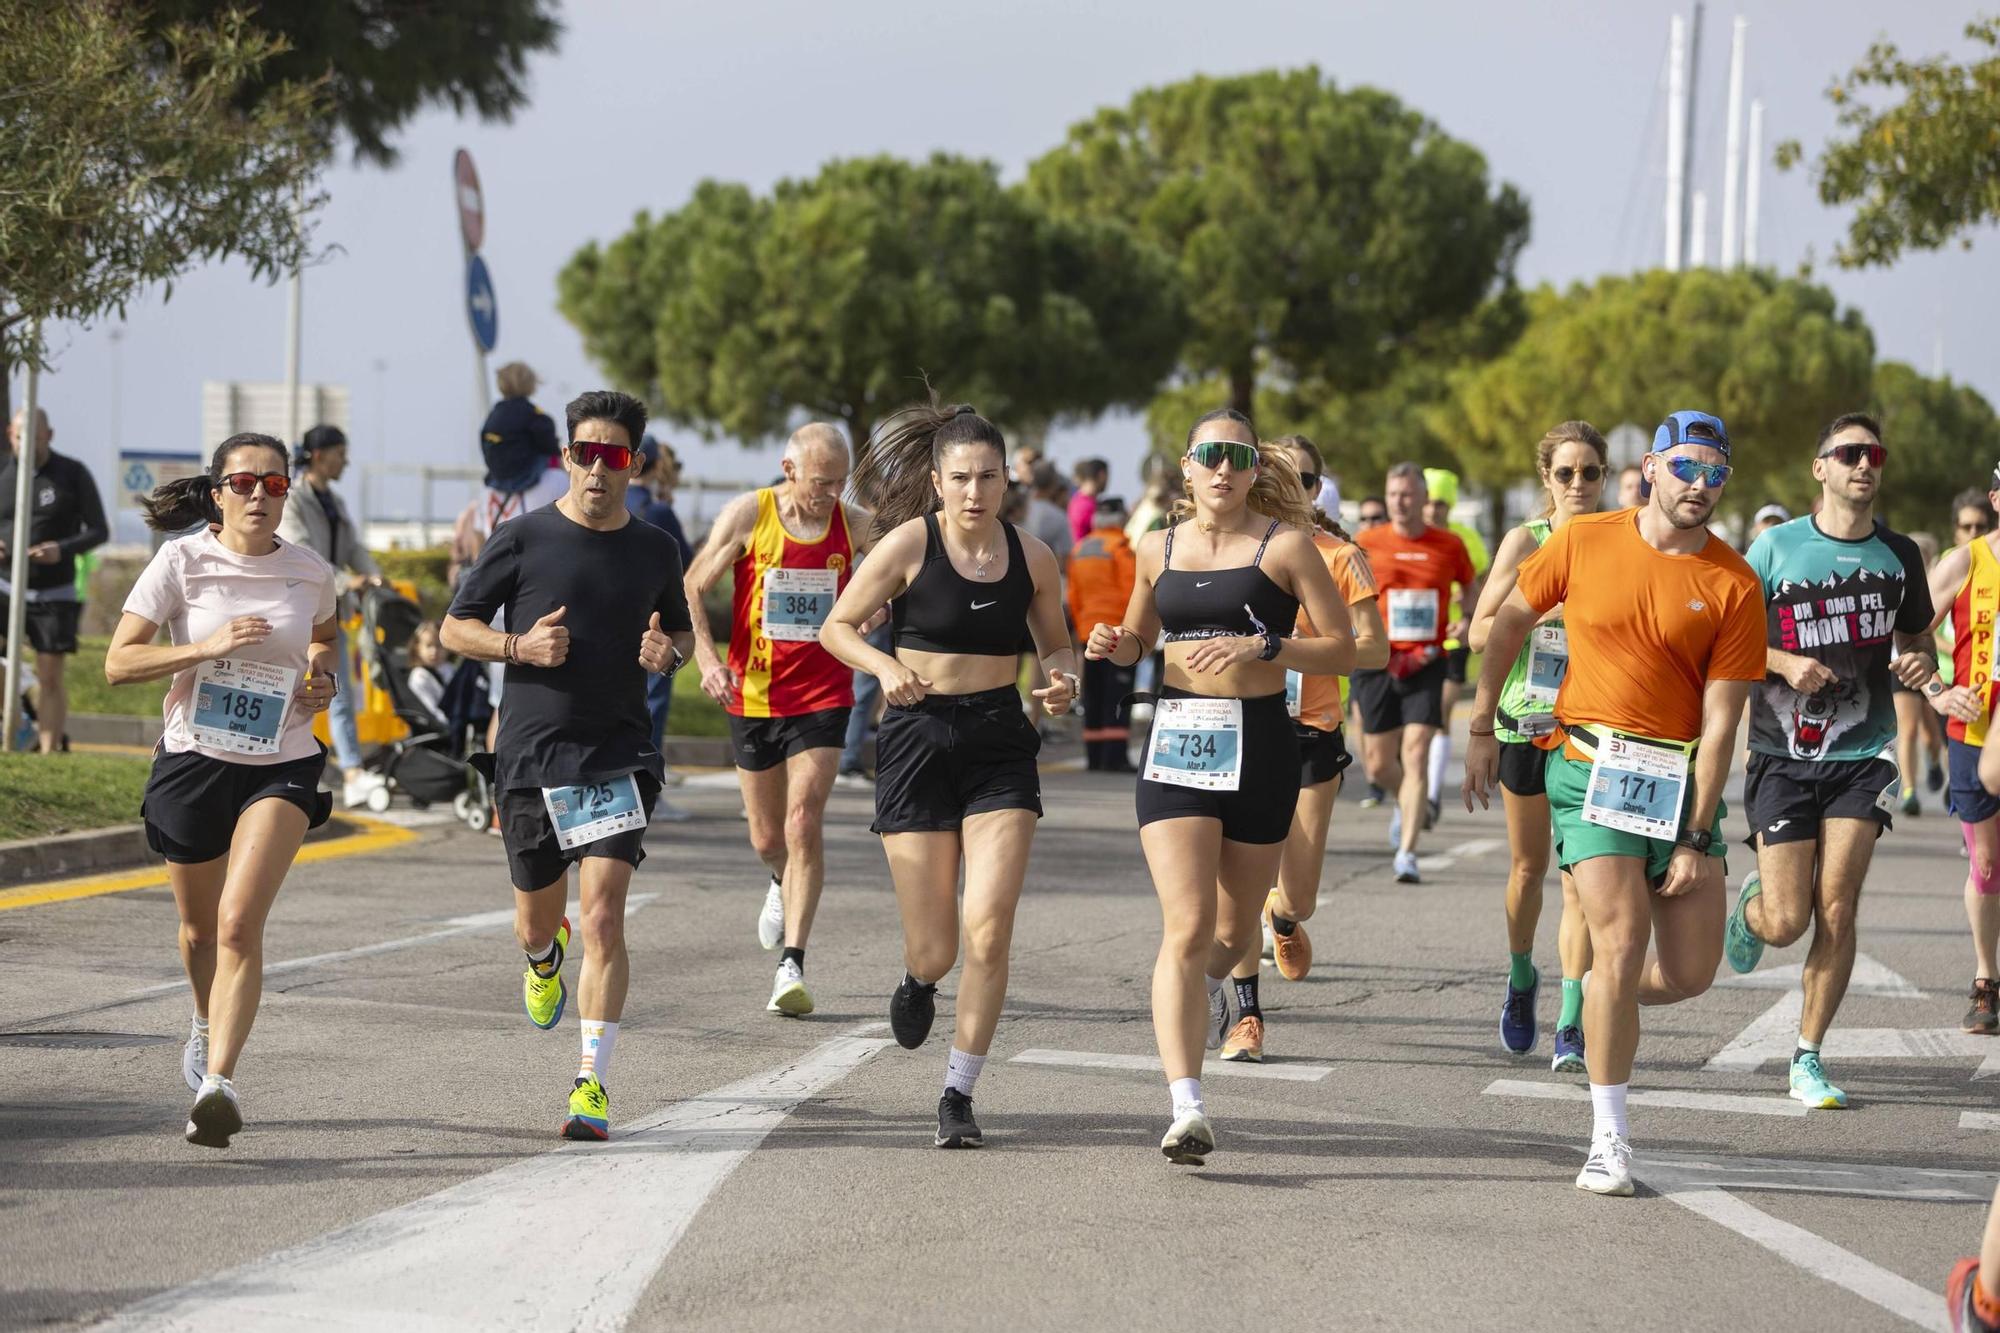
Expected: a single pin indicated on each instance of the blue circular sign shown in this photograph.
(482, 308)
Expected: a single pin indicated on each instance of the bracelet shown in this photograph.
(507, 650)
(1477, 732)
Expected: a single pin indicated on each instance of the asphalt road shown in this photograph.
(1390, 1166)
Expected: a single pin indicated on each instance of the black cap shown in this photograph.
(322, 436)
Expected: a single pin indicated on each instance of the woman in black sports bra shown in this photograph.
(956, 782)
(1221, 773)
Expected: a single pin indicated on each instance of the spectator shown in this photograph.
(1770, 516)
(318, 521)
(1150, 514)
(1102, 570)
(1046, 516)
(1025, 459)
(522, 454)
(429, 671)
(67, 520)
(1631, 486)
(1091, 476)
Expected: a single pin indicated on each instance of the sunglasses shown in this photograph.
(1592, 474)
(1309, 480)
(1687, 471)
(1370, 520)
(1211, 454)
(1973, 527)
(275, 483)
(1850, 455)
(586, 454)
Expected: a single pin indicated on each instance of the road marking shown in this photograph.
(1681, 1101)
(1869, 978)
(1925, 1184)
(1777, 1026)
(1978, 1120)
(604, 1219)
(1288, 1073)
(376, 837)
(1464, 850)
(1775, 1037)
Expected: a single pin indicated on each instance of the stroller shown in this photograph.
(430, 765)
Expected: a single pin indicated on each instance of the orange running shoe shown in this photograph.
(1292, 953)
(1246, 1040)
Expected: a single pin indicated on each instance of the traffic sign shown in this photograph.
(482, 308)
(140, 471)
(471, 203)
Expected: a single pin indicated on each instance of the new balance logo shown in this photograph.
(1697, 605)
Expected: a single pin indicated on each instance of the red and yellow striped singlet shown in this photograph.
(784, 589)
(1972, 623)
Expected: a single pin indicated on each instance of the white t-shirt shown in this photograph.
(196, 585)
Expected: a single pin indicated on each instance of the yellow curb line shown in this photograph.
(378, 836)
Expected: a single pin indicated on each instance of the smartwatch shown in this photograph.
(1271, 645)
(1695, 839)
(1933, 687)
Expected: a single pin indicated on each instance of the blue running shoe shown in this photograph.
(1809, 1084)
(1739, 944)
(1569, 1051)
(1517, 1017)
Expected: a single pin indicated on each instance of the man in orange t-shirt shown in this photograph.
(1102, 569)
(1666, 637)
(1402, 706)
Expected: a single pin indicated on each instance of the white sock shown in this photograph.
(1187, 1095)
(598, 1040)
(962, 1070)
(198, 1028)
(1440, 757)
(1607, 1109)
(1805, 1045)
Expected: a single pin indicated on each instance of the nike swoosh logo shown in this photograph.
(981, 606)
(1204, 585)
(293, 583)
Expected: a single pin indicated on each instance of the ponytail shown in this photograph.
(893, 478)
(176, 506)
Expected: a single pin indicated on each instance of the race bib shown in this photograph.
(1413, 614)
(241, 706)
(1197, 743)
(1892, 792)
(1636, 786)
(797, 602)
(593, 810)
(1294, 683)
(1548, 663)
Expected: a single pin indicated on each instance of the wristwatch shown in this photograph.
(1933, 687)
(1271, 645)
(1695, 839)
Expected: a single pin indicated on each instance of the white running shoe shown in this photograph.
(217, 1114)
(771, 918)
(194, 1058)
(854, 780)
(1190, 1139)
(666, 812)
(1406, 868)
(1218, 1016)
(354, 791)
(789, 995)
(1609, 1168)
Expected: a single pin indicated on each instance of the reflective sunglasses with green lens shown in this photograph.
(1212, 453)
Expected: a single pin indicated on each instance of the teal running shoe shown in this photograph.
(1739, 943)
(1809, 1084)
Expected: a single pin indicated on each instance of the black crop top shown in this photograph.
(942, 611)
(1212, 603)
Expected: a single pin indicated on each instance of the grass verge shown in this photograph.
(67, 793)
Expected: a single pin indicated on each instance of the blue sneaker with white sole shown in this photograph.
(1517, 1016)
(1809, 1084)
(1739, 943)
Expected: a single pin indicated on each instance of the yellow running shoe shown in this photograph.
(1246, 1040)
(1292, 953)
(544, 997)
(589, 1112)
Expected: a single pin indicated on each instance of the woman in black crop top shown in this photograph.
(956, 782)
(1224, 586)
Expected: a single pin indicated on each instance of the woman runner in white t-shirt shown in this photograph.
(235, 781)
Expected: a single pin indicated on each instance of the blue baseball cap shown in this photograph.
(1678, 429)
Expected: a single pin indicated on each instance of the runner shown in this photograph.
(791, 548)
(956, 787)
(577, 772)
(1442, 484)
(1402, 707)
(1102, 569)
(1666, 636)
(1966, 586)
(1972, 1292)
(1216, 796)
(1840, 587)
(235, 780)
(1572, 460)
(1919, 729)
(1316, 704)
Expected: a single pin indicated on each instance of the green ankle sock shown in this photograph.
(1572, 1010)
(1520, 970)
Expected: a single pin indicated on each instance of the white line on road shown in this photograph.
(1776, 1026)
(1978, 1120)
(1683, 1101)
(1463, 851)
(1289, 1073)
(566, 1239)
(1927, 1184)
(1868, 978)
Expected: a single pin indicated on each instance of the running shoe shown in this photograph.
(1406, 868)
(1292, 953)
(217, 1113)
(1984, 1015)
(771, 918)
(194, 1058)
(1373, 798)
(1245, 1041)
(1431, 812)
(1218, 1015)
(1934, 778)
(1569, 1051)
(1910, 804)
(589, 1117)
(912, 1008)
(956, 1127)
(1809, 1084)
(1190, 1140)
(853, 779)
(666, 812)
(789, 995)
(1958, 1299)
(1739, 943)
(1609, 1168)
(1517, 1017)
(545, 997)
(1396, 827)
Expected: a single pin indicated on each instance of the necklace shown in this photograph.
(980, 562)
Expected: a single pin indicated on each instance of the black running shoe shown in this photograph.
(956, 1128)
(911, 1011)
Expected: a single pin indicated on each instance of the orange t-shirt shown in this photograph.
(1647, 630)
(1415, 575)
(1320, 704)
(1102, 568)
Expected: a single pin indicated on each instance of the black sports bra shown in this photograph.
(1212, 603)
(942, 611)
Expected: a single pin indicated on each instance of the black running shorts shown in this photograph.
(193, 801)
(1387, 703)
(536, 861)
(758, 743)
(954, 755)
(51, 625)
(1524, 768)
(1786, 799)
(1260, 810)
(1322, 754)
(1456, 660)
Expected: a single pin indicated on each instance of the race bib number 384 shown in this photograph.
(241, 706)
(797, 602)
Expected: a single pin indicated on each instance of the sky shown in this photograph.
(642, 101)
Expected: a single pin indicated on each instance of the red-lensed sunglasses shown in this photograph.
(275, 483)
(1850, 455)
(617, 457)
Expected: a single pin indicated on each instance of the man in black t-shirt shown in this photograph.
(68, 520)
(577, 771)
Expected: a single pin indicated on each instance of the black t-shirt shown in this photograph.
(585, 720)
(67, 512)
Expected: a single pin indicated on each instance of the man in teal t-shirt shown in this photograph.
(1847, 606)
